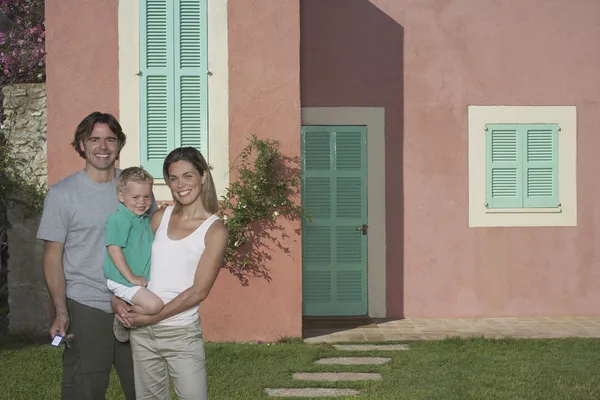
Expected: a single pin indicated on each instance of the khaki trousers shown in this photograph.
(161, 352)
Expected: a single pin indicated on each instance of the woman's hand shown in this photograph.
(138, 320)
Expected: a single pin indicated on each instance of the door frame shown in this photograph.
(374, 119)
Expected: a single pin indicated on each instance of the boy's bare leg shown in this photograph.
(146, 302)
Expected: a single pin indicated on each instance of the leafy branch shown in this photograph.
(266, 192)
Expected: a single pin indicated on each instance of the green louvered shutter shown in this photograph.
(157, 89)
(504, 169)
(541, 165)
(173, 69)
(334, 193)
(191, 73)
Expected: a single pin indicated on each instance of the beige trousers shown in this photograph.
(163, 352)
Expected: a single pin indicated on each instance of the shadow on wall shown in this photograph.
(352, 56)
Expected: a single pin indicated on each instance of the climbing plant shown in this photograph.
(256, 206)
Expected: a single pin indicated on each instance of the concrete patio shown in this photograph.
(332, 331)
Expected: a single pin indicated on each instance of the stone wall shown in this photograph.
(25, 129)
(27, 295)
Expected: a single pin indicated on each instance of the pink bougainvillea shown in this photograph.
(22, 45)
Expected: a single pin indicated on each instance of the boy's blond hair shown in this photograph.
(132, 174)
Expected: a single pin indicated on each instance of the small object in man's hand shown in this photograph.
(56, 340)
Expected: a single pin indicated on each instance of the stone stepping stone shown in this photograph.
(353, 361)
(370, 347)
(311, 392)
(336, 376)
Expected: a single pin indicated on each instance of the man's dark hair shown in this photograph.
(85, 128)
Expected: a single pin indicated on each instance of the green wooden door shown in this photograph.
(334, 243)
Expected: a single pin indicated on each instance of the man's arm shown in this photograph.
(54, 276)
(53, 230)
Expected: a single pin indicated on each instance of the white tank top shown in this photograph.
(174, 264)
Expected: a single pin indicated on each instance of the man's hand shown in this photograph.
(121, 310)
(139, 281)
(60, 325)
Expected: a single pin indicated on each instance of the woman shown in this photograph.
(187, 255)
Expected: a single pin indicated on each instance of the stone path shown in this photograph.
(433, 329)
(338, 376)
(353, 361)
(311, 392)
(371, 347)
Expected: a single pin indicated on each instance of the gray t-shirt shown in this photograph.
(75, 213)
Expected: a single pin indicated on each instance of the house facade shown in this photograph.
(447, 148)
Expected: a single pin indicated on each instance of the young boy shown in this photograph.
(129, 243)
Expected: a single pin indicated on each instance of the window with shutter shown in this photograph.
(504, 172)
(173, 71)
(522, 165)
(540, 165)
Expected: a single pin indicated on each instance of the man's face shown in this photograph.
(101, 148)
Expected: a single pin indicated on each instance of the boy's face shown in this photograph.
(137, 197)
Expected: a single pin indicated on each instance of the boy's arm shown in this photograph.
(117, 235)
(118, 258)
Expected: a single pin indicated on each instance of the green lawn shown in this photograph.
(449, 369)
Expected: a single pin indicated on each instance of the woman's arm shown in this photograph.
(206, 273)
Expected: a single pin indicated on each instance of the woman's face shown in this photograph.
(185, 182)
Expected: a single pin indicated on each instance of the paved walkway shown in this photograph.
(432, 329)
(317, 378)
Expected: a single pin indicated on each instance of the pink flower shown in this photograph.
(22, 55)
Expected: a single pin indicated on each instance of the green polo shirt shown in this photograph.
(134, 235)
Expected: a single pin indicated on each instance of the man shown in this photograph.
(73, 230)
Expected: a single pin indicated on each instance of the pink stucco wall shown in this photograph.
(264, 99)
(264, 94)
(82, 73)
(425, 61)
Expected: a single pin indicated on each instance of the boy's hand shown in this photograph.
(139, 281)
